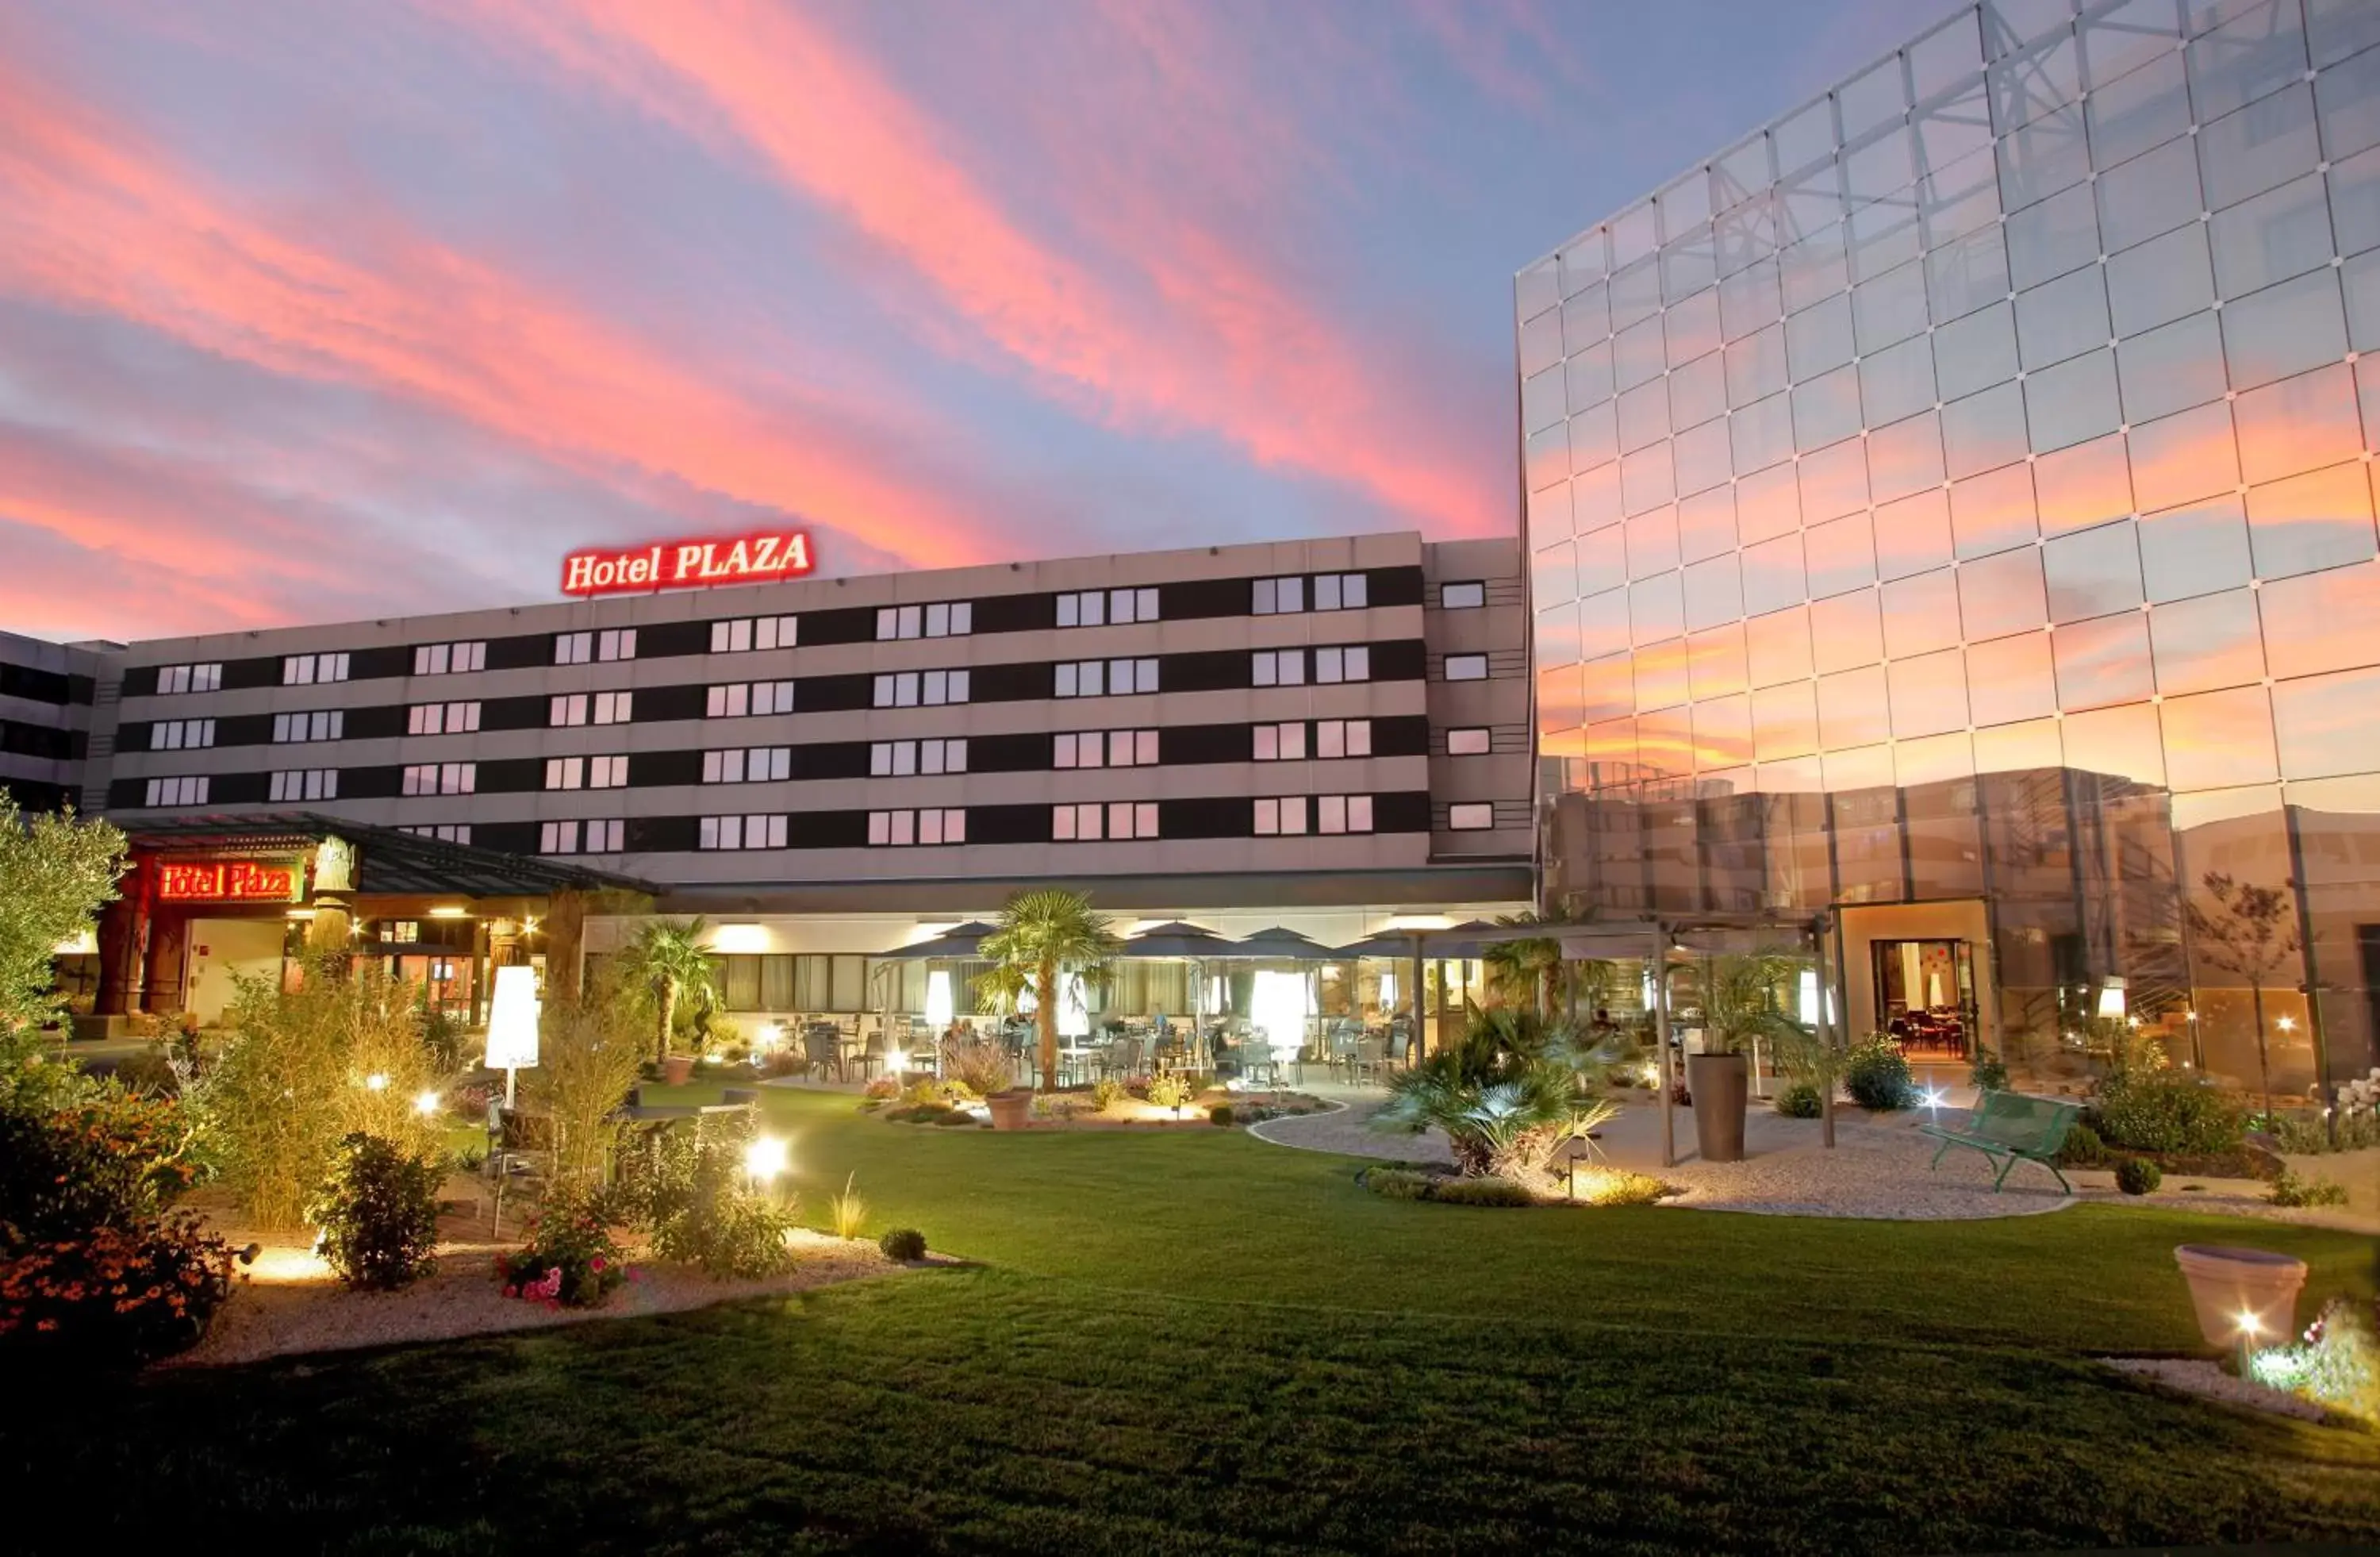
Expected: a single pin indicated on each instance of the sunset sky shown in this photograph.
(312, 312)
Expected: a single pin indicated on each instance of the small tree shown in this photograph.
(665, 960)
(1740, 1002)
(2251, 932)
(56, 874)
(1525, 972)
(1045, 935)
(589, 1052)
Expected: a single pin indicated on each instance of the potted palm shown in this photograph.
(666, 959)
(1044, 936)
(1740, 1006)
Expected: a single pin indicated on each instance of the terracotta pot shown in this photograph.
(2228, 1283)
(1720, 1084)
(1011, 1109)
(676, 1069)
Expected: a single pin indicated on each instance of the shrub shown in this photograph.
(917, 1094)
(1220, 1114)
(1106, 1092)
(571, 1260)
(109, 1160)
(1800, 1100)
(113, 1295)
(2138, 1175)
(148, 1074)
(881, 1089)
(703, 1211)
(2083, 1148)
(983, 1064)
(378, 1213)
(1620, 1186)
(903, 1244)
(1986, 1073)
(1878, 1075)
(1170, 1092)
(1398, 1184)
(1482, 1192)
(2338, 1365)
(2304, 1132)
(588, 1055)
(2167, 1110)
(2291, 1190)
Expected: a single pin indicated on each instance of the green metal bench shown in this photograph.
(2010, 1127)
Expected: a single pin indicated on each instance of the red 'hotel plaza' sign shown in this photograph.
(226, 880)
(687, 565)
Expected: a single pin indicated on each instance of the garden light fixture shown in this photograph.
(2287, 1024)
(376, 1082)
(766, 1159)
(512, 1023)
(896, 1062)
(425, 1102)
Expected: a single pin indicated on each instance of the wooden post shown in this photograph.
(1658, 965)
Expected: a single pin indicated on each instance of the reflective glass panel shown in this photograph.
(1784, 721)
(1839, 555)
(1548, 514)
(1553, 575)
(1812, 270)
(1905, 457)
(1740, 174)
(2060, 318)
(2092, 573)
(2323, 724)
(1890, 308)
(2213, 740)
(1586, 319)
(1723, 733)
(2148, 196)
(1602, 561)
(2208, 643)
(1846, 630)
(2001, 594)
(2160, 281)
(2129, 36)
(2298, 424)
(1541, 343)
(1594, 437)
(1827, 409)
(1761, 434)
(2011, 679)
(1703, 458)
(1606, 688)
(2281, 233)
(2179, 458)
(2347, 102)
(1534, 291)
(1914, 534)
(2073, 401)
(1543, 401)
(1544, 457)
(1834, 481)
(1657, 609)
(1749, 302)
(1921, 614)
(1755, 366)
(2031, 81)
(2320, 519)
(1984, 431)
(1603, 624)
(2148, 107)
(2322, 621)
(1715, 662)
(2171, 369)
(1897, 381)
(1944, 57)
(2283, 329)
(1714, 592)
(1804, 137)
(1660, 676)
(2355, 202)
(2122, 742)
(1969, 274)
(1645, 415)
(1768, 505)
(1777, 646)
(1652, 543)
(1588, 377)
(2059, 235)
(1584, 262)
(2194, 550)
(1558, 636)
(1772, 575)
(2103, 662)
(1637, 354)
(1688, 267)
(2268, 142)
(1698, 391)
(1595, 498)
(1975, 352)
(1994, 512)
(1692, 327)
(2044, 157)
(2256, 52)
(2086, 485)
(1854, 710)
(1706, 523)
(1929, 694)
(1635, 294)
(1647, 479)
(2336, 29)
(1872, 98)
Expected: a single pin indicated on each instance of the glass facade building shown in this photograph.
(1953, 506)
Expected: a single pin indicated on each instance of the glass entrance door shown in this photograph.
(1926, 996)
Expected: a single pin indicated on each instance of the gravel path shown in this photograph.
(293, 1306)
(2209, 1381)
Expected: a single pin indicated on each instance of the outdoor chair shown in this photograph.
(871, 1057)
(822, 1052)
(1257, 1059)
(1369, 1061)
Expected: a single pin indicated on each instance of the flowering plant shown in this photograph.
(113, 1294)
(571, 1258)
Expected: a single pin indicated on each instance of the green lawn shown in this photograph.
(1197, 1342)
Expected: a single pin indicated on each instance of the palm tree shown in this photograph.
(1486, 1088)
(1740, 1003)
(1045, 935)
(666, 959)
(1526, 969)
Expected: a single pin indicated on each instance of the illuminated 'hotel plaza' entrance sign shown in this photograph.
(687, 565)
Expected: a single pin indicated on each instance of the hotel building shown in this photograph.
(1326, 736)
(1950, 511)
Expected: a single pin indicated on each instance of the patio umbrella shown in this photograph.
(1278, 944)
(959, 942)
(1176, 938)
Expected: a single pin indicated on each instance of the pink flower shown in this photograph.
(596, 1264)
(512, 1292)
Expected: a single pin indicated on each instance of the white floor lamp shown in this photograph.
(512, 1025)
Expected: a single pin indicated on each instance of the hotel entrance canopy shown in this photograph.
(388, 863)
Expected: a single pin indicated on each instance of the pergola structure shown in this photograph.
(335, 878)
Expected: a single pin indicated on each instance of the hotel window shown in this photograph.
(178, 734)
(740, 832)
(930, 688)
(1093, 820)
(307, 784)
(1106, 748)
(1279, 597)
(758, 764)
(446, 833)
(614, 708)
(751, 632)
(1105, 678)
(442, 719)
(1282, 818)
(738, 698)
(442, 659)
(902, 758)
(1354, 664)
(1342, 813)
(189, 678)
(588, 773)
(1470, 740)
(1341, 591)
(188, 790)
(1102, 608)
(1343, 737)
(441, 778)
(305, 670)
(607, 836)
(1476, 815)
(608, 773)
(1466, 667)
(405, 931)
(321, 724)
(1281, 743)
(952, 619)
(1279, 667)
(898, 830)
(1468, 595)
(612, 643)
